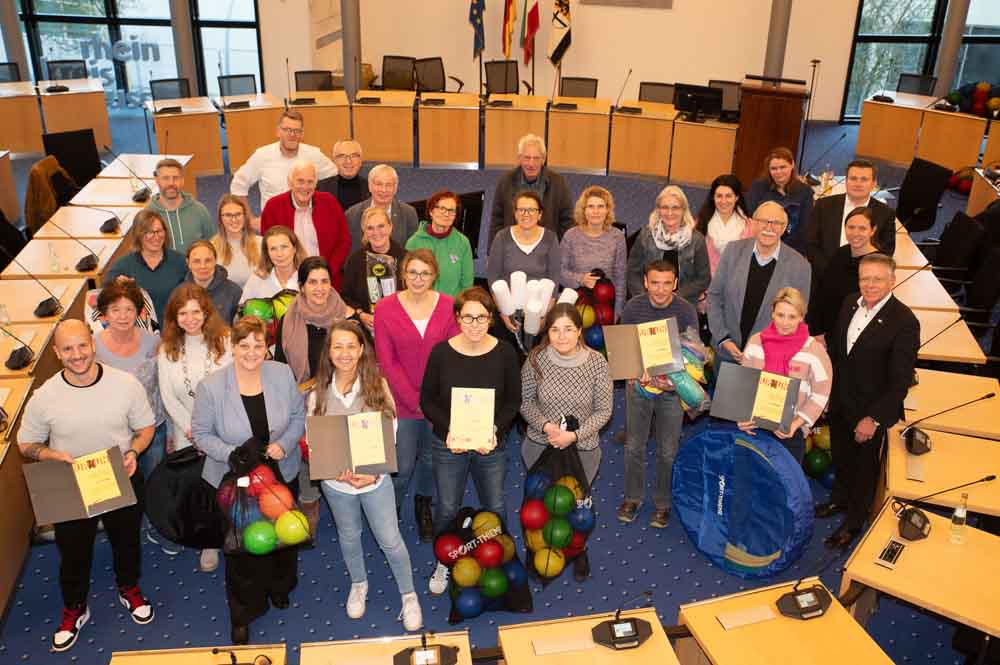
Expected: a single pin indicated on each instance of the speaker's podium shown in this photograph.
(771, 114)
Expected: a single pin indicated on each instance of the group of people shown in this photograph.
(385, 317)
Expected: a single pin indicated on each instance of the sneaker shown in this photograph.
(413, 618)
(208, 560)
(660, 518)
(627, 511)
(138, 607)
(170, 548)
(439, 580)
(151, 536)
(69, 628)
(356, 600)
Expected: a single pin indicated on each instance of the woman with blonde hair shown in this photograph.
(278, 266)
(236, 243)
(594, 244)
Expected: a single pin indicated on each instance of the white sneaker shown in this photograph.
(208, 560)
(413, 618)
(439, 580)
(356, 600)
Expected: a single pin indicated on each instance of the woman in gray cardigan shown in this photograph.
(251, 399)
(671, 232)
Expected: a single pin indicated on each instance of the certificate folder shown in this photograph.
(56, 495)
(330, 451)
(736, 392)
(625, 353)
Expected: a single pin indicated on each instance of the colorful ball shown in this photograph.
(493, 583)
(260, 477)
(573, 485)
(446, 548)
(260, 538)
(821, 437)
(534, 539)
(275, 501)
(604, 292)
(827, 478)
(576, 545)
(604, 314)
(225, 496)
(584, 296)
(292, 527)
(466, 572)
(469, 603)
(559, 500)
(816, 462)
(489, 554)
(587, 314)
(594, 337)
(244, 513)
(536, 484)
(557, 532)
(262, 308)
(549, 562)
(517, 576)
(507, 543)
(486, 524)
(582, 519)
(534, 514)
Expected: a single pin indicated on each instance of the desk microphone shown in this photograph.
(938, 334)
(808, 603)
(163, 110)
(621, 633)
(143, 194)
(20, 357)
(625, 109)
(110, 225)
(45, 308)
(918, 441)
(810, 178)
(297, 101)
(166, 139)
(913, 522)
(88, 262)
(913, 274)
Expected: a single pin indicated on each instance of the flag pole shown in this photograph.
(480, 73)
(533, 58)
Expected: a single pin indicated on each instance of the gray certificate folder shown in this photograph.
(330, 448)
(55, 494)
(736, 390)
(625, 356)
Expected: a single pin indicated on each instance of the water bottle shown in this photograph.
(958, 520)
(4, 315)
(53, 258)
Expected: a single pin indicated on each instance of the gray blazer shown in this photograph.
(404, 222)
(693, 267)
(729, 285)
(219, 423)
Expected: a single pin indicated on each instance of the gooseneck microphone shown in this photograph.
(621, 92)
(19, 357)
(912, 275)
(47, 307)
(140, 196)
(88, 262)
(913, 522)
(110, 225)
(940, 332)
(807, 603)
(812, 180)
(916, 440)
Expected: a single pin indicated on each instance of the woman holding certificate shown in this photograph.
(471, 393)
(563, 378)
(347, 383)
(786, 348)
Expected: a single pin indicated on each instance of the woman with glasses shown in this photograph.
(372, 272)
(472, 359)
(236, 243)
(450, 246)
(781, 183)
(278, 266)
(408, 325)
(594, 244)
(671, 235)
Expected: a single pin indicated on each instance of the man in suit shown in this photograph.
(873, 349)
(348, 186)
(825, 230)
(383, 181)
(748, 276)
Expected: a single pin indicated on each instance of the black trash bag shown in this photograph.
(181, 505)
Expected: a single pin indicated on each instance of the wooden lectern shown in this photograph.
(770, 117)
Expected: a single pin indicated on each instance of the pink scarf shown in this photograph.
(779, 349)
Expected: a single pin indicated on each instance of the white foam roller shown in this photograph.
(568, 296)
(547, 288)
(533, 311)
(501, 293)
(518, 289)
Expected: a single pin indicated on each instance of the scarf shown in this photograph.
(779, 349)
(295, 337)
(675, 241)
(722, 233)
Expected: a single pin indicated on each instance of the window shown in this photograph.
(227, 41)
(979, 59)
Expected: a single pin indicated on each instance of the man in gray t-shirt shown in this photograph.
(85, 409)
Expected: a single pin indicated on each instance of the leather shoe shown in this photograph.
(280, 602)
(581, 567)
(841, 538)
(824, 510)
(240, 635)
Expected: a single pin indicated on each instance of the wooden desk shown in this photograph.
(890, 131)
(36, 257)
(9, 203)
(449, 134)
(250, 128)
(701, 151)
(506, 124)
(641, 143)
(17, 517)
(578, 138)
(385, 129)
(922, 290)
(328, 120)
(953, 460)
(85, 223)
(111, 192)
(933, 573)
(200, 655)
(145, 167)
(39, 337)
(834, 638)
(571, 642)
(936, 391)
(194, 130)
(379, 649)
(83, 107)
(22, 296)
(983, 192)
(956, 344)
(907, 254)
(20, 118)
(951, 139)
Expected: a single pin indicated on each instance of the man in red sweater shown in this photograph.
(316, 218)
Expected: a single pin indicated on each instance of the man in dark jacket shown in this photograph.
(348, 186)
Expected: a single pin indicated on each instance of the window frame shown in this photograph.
(198, 23)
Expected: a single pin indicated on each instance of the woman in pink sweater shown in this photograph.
(407, 326)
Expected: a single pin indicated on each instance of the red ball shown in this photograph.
(534, 515)
(604, 313)
(489, 554)
(446, 548)
(584, 296)
(604, 292)
(576, 545)
(226, 495)
(964, 186)
(260, 477)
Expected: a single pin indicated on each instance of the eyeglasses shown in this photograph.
(468, 319)
(294, 131)
(423, 274)
(446, 211)
(156, 232)
(348, 156)
(527, 211)
(232, 216)
(774, 223)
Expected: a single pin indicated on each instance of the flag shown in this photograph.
(529, 26)
(476, 9)
(509, 19)
(562, 35)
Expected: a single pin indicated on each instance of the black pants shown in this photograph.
(75, 540)
(856, 467)
(252, 579)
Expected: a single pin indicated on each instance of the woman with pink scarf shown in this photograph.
(785, 347)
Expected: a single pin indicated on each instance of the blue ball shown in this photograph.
(469, 602)
(582, 519)
(536, 484)
(245, 514)
(827, 478)
(517, 576)
(594, 336)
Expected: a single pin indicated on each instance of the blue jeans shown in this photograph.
(413, 454)
(380, 509)
(155, 452)
(451, 472)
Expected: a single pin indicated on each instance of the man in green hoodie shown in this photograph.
(187, 220)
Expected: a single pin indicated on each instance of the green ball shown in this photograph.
(816, 462)
(493, 582)
(557, 532)
(559, 500)
(259, 307)
(259, 537)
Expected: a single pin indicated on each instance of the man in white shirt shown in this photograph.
(269, 165)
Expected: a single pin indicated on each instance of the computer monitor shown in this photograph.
(698, 100)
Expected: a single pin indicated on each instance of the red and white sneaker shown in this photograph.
(136, 604)
(69, 628)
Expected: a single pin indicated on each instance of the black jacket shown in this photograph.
(558, 204)
(334, 185)
(826, 220)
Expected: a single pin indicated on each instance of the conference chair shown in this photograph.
(169, 89)
(919, 195)
(651, 91)
(917, 84)
(502, 77)
(312, 80)
(429, 73)
(11, 240)
(77, 153)
(398, 72)
(237, 84)
(470, 219)
(61, 70)
(9, 72)
(957, 255)
(578, 86)
(732, 96)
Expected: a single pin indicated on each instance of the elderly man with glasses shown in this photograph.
(348, 186)
(383, 182)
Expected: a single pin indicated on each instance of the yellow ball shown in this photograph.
(587, 314)
(466, 572)
(573, 485)
(810, 443)
(549, 562)
(484, 523)
(534, 539)
(507, 543)
(821, 437)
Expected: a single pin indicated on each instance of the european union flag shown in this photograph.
(476, 9)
